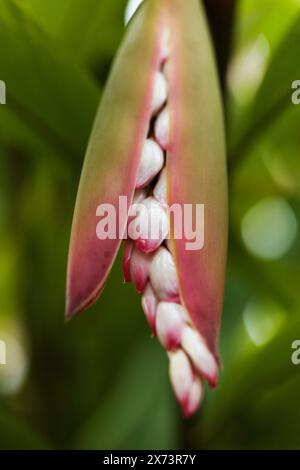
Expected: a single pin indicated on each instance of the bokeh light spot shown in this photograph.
(269, 228)
(263, 320)
(14, 372)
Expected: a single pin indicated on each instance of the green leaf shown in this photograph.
(139, 399)
(18, 435)
(48, 96)
(274, 95)
(100, 24)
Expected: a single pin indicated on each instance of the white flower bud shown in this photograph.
(151, 226)
(195, 397)
(202, 358)
(162, 129)
(149, 304)
(139, 269)
(187, 387)
(170, 323)
(152, 161)
(163, 276)
(160, 92)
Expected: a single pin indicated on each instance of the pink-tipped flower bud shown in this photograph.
(187, 387)
(170, 323)
(160, 189)
(151, 226)
(160, 92)
(162, 129)
(138, 198)
(139, 269)
(152, 161)
(163, 276)
(204, 362)
(149, 304)
(195, 397)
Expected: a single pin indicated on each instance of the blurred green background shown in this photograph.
(100, 382)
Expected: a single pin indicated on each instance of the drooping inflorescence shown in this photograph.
(158, 143)
(149, 263)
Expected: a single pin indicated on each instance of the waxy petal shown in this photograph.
(139, 269)
(162, 128)
(151, 226)
(152, 161)
(149, 304)
(196, 165)
(170, 323)
(139, 197)
(160, 92)
(193, 401)
(113, 155)
(181, 374)
(188, 388)
(163, 276)
(203, 360)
